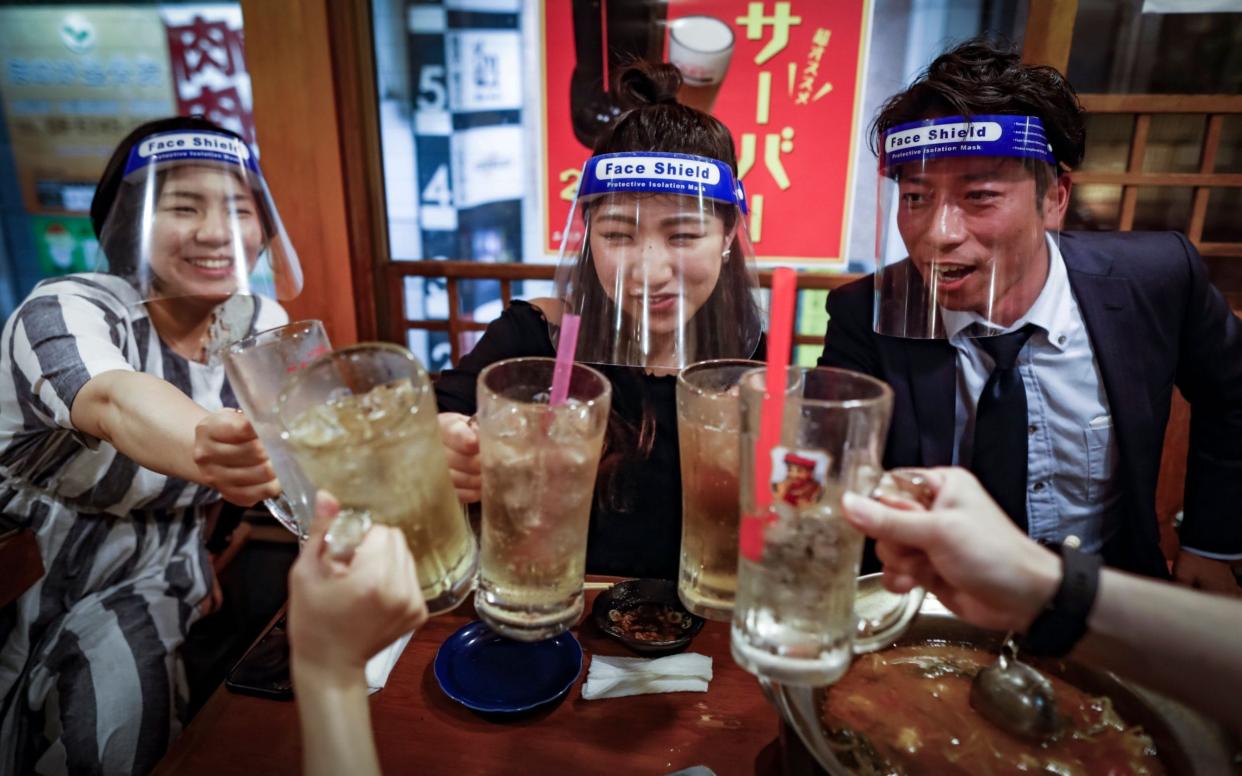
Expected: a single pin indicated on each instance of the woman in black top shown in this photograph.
(685, 289)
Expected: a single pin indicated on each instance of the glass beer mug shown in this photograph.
(795, 620)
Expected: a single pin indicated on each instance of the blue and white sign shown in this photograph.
(949, 136)
(190, 146)
(659, 173)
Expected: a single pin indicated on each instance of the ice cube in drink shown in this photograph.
(380, 452)
(539, 468)
(708, 430)
(794, 619)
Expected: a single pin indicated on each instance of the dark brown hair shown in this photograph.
(980, 77)
(653, 120)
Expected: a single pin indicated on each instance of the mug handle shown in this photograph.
(876, 633)
(343, 536)
(347, 532)
(879, 632)
(801, 710)
(283, 512)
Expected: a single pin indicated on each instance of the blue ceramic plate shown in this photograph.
(487, 672)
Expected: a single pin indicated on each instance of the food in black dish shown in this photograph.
(650, 622)
(645, 615)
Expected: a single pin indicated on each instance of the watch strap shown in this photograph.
(1064, 620)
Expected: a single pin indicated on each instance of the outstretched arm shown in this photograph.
(340, 614)
(71, 368)
(966, 552)
(152, 422)
(1171, 639)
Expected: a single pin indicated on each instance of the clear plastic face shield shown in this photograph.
(193, 219)
(967, 209)
(657, 263)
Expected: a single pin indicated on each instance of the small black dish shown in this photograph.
(629, 610)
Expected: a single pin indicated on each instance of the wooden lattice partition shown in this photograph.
(454, 272)
(1224, 258)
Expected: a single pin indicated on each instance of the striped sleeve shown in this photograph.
(59, 342)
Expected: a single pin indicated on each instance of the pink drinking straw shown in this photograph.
(566, 344)
(780, 340)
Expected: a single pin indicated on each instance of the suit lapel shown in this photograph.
(933, 387)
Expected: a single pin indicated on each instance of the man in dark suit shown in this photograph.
(1065, 430)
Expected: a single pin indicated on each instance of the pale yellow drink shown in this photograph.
(379, 452)
(708, 428)
(539, 465)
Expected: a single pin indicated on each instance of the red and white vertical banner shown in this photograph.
(208, 61)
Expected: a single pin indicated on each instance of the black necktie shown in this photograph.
(999, 455)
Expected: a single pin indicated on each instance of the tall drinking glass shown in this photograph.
(259, 367)
(709, 422)
(539, 464)
(362, 424)
(794, 621)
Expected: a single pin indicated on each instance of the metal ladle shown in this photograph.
(1015, 697)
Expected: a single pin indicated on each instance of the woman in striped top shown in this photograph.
(117, 441)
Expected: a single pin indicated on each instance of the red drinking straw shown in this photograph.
(566, 344)
(780, 340)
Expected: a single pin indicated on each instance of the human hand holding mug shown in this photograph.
(963, 549)
(460, 435)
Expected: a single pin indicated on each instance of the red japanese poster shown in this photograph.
(784, 76)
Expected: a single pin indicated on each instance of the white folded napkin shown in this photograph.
(381, 663)
(614, 677)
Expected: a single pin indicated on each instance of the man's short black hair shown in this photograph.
(980, 77)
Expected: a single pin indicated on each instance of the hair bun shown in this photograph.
(647, 83)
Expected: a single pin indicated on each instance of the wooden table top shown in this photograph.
(731, 728)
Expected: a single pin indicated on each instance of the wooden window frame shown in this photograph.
(454, 272)
(1215, 107)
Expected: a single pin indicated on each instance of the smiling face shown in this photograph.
(974, 228)
(206, 234)
(658, 258)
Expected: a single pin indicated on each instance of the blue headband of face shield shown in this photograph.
(661, 173)
(191, 146)
(1020, 137)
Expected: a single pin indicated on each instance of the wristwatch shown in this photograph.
(1064, 620)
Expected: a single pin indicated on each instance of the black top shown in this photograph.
(640, 538)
